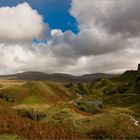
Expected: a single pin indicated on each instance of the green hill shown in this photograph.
(33, 92)
(106, 108)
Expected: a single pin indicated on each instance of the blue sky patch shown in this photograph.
(55, 12)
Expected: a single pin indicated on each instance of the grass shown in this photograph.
(128, 76)
(62, 112)
(120, 105)
(37, 107)
(123, 100)
(64, 120)
(33, 99)
(109, 117)
(62, 92)
(12, 123)
(49, 91)
(1, 85)
(37, 92)
(31, 114)
(101, 88)
(13, 93)
(107, 120)
(89, 106)
(128, 103)
(9, 137)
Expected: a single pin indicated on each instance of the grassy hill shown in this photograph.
(106, 108)
(129, 76)
(36, 92)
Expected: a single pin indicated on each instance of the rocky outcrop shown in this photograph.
(136, 87)
(138, 75)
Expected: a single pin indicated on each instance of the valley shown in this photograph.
(105, 108)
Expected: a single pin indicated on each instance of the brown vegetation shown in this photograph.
(80, 111)
(11, 123)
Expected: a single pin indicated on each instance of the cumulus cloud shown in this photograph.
(108, 38)
(85, 43)
(28, 57)
(19, 57)
(91, 42)
(114, 16)
(21, 23)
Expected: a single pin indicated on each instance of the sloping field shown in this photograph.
(35, 92)
(130, 102)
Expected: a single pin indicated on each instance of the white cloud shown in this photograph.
(103, 44)
(21, 23)
(56, 32)
(48, 58)
(120, 16)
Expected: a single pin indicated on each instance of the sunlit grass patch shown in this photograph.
(9, 137)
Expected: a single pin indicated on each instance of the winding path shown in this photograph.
(79, 97)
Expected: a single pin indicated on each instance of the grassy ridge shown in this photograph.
(35, 92)
(106, 109)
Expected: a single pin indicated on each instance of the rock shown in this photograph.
(134, 121)
(138, 74)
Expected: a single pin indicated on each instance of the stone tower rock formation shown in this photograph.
(138, 74)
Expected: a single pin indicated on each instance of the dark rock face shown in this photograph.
(137, 85)
(138, 71)
(138, 74)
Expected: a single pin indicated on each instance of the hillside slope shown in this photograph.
(36, 92)
(57, 77)
(106, 108)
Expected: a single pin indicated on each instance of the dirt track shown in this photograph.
(79, 97)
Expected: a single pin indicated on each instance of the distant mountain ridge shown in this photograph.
(58, 77)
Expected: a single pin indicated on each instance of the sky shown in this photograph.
(50, 9)
(69, 36)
